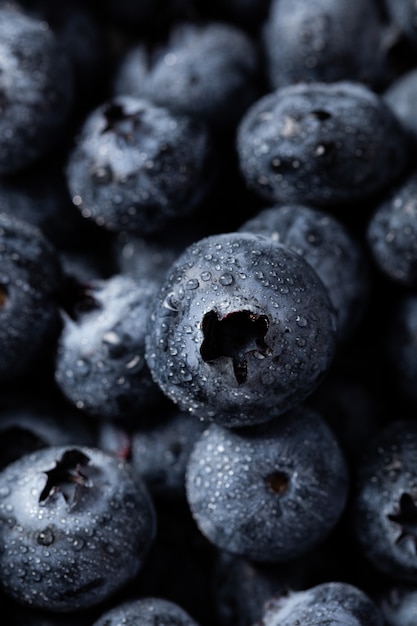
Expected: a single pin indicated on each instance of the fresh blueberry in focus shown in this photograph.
(30, 284)
(138, 166)
(299, 39)
(241, 330)
(325, 144)
(392, 234)
(398, 605)
(146, 612)
(330, 248)
(160, 451)
(36, 90)
(76, 525)
(384, 502)
(100, 363)
(270, 492)
(208, 70)
(331, 603)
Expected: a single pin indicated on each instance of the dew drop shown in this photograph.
(226, 279)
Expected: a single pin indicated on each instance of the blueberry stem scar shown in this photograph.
(234, 336)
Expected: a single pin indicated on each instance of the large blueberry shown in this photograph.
(324, 144)
(208, 70)
(270, 492)
(384, 504)
(299, 39)
(241, 330)
(76, 525)
(100, 360)
(137, 166)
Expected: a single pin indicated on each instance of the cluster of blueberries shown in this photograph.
(208, 312)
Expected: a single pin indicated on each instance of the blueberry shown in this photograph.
(270, 492)
(325, 144)
(299, 39)
(330, 248)
(100, 362)
(76, 525)
(391, 233)
(241, 330)
(208, 70)
(137, 166)
(36, 90)
(331, 602)
(30, 283)
(384, 505)
(146, 612)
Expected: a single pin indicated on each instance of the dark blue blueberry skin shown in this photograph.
(36, 90)
(398, 605)
(271, 492)
(299, 39)
(100, 362)
(392, 234)
(138, 166)
(76, 525)
(384, 503)
(30, 284)
(329, 603)
(146, 612)
(325, 144)
(160, 452)
(330, 248)
(241, 330)
(208, 70)
(401, 95)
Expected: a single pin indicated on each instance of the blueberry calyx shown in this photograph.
(118, 119)
(406, 517)
(278, 482)
(4, 297)
(234, 336)
(68, 477)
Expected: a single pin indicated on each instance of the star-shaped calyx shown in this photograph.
(234, 336)
(68, 477)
